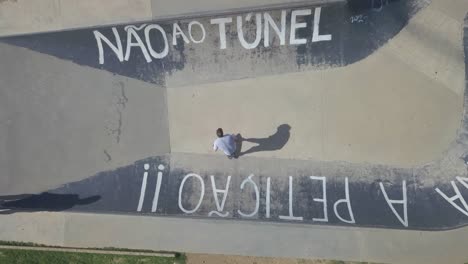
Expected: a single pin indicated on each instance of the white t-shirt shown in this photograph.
(226, 144)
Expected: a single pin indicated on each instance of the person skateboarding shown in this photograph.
(227, 143)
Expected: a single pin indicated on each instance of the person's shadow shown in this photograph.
(271, 143)
(43, 202)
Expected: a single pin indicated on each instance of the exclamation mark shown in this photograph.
(158, 188)
(143, 188)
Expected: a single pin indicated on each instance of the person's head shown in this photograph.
(219, 132)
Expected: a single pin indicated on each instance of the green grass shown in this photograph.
(18, 256)
(29, 244)
(20, 244)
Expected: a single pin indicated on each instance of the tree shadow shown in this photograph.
(43, 202)
(274, 142)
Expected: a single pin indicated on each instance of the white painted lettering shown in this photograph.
(348, 203)
(153, 53)
(143, 188)
(117, 49)
(457, 196)
(154, 207)
(220, 207)
(291, 216)
(221, 22)
(316, 37)
(177, 31)
(132, 34)
(258, 34)
(280, 32)
(463, 181)
(202, 193)
(295, 26)
(135, 27)
(257, 196)
(404, 202)
(322, 200)
(202, 28)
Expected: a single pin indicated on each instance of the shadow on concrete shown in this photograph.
(271, 143)
(43, 202)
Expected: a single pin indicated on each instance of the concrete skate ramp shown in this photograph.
(373, 95)
(400, 106)
(63, 122)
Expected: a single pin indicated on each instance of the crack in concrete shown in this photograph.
(108, 156)
(121, 103)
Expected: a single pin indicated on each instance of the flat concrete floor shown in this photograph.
(400, 106)
(61, 122)
(245, 238)
(89, 121)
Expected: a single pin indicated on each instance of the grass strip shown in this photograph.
(92, 251)
(55, 256)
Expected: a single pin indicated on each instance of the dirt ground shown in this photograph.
(223, 259)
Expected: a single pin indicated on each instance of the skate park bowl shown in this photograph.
(352, 113)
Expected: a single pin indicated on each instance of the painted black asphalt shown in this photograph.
(358, 29)
(375, 201)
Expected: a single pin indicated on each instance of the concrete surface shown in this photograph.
(54, 15)
(393, 113)
(180, 8)
(347, 114)
(371, 114)
(331, 119)
(236, 238)
(79, 119)
(371, 111)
